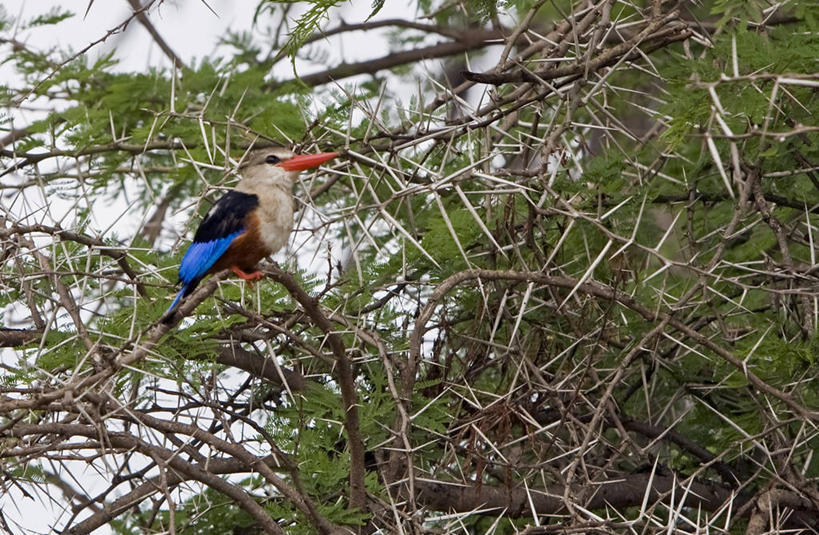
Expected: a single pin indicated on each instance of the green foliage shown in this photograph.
(484, 9)
(31, 472)
(62, 351)
(307, 24)
(742, 9)
(605, 172)
(206, 514)
(51, 17)
(447, 236)
(777, 360)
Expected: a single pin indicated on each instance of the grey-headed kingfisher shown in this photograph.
(252, 221)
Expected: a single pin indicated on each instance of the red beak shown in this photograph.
(306, 161)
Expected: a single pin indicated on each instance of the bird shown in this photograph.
(248, 223)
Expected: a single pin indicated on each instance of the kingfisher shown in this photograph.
(248, 223)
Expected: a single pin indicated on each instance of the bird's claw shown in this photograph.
(249, 277)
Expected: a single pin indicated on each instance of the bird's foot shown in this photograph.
(249, 277)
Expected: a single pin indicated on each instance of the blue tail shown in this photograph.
(178, 298)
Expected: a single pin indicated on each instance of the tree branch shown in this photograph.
(119, 255)
(302, 502)
(346, 379)
(602, 291)
(624, 51)
(471, 41)
(237, 357)
(30, 158)
(126, 441)
(18, 337)
(151, 486)
(143, 19)
(399, 23)
(620, 492)
(131, 352)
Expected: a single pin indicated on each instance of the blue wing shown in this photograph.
(200, 257)
(224, 222)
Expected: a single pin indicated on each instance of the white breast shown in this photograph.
(275, 217)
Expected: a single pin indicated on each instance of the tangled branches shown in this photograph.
(581, 300)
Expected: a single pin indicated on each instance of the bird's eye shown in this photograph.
(272, 159)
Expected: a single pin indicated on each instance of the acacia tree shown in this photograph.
(572, 292)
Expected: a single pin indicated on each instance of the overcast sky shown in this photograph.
(190, 27)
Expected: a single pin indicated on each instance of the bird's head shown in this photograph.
(279, 166)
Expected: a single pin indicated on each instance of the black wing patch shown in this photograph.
(226, 217)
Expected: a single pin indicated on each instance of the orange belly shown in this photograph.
(245, 251)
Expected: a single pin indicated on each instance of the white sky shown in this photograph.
(190, 28)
